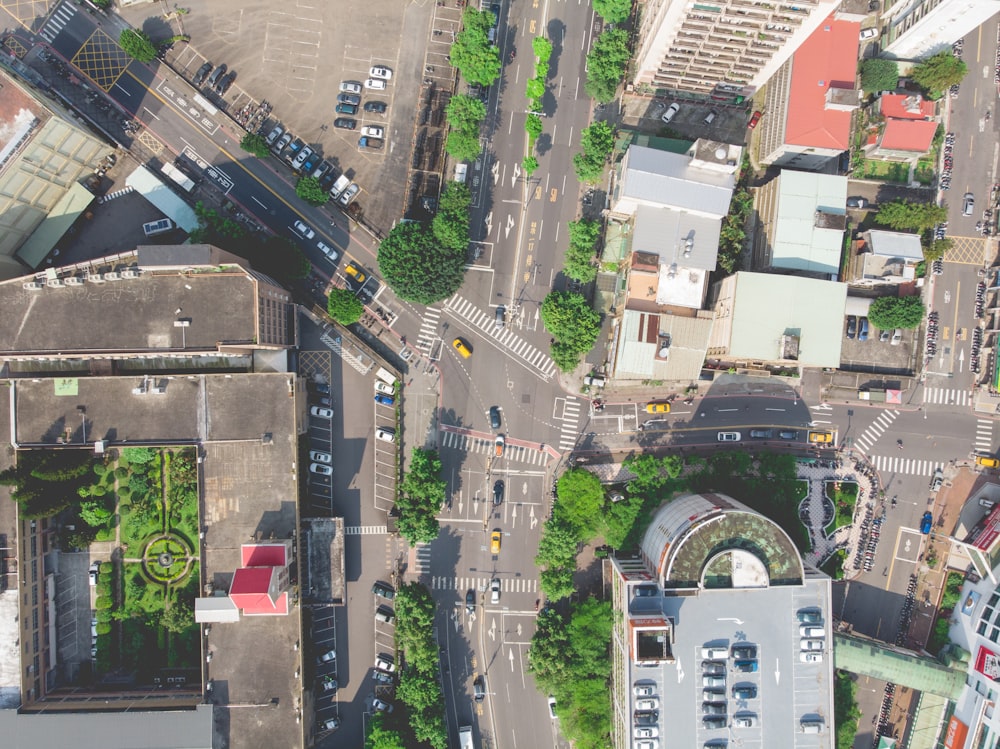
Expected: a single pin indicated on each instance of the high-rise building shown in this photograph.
(726, 48)
(915, 29)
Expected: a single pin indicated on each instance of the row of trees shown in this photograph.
(920, 218)
(574, 325)
(535, 90)
(419, 678)
(421, 493)
(477, 60)
(935, 75)
(423, 262)
(597, 142)
(465, 116)
(276, 256)
(733, 231)
(569, 657)
(889, 312)
(606, 62)
(579, 262)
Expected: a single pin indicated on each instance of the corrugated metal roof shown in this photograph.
(170, 205)
(883, 662)
(56, 223)
(667, 231)
(895, 244)
(669, 179)
(799, 243)
(768, 306)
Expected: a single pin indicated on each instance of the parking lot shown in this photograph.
(294, 56)
(877, 353)
(74, 609)
(324, 641)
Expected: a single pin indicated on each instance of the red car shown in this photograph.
(755, 119)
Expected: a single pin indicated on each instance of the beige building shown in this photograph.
(726, 48)
(44, 155)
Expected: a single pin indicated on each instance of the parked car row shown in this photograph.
(349, 100)
(307, 163)
(219, 81)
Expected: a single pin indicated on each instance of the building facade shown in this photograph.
(915, 29)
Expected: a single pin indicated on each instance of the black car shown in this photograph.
(494, 417)
(384, 590)
(788, 435)
(219, 72)
(470, 601)
(479, 688)
(348, 99)
(345, 124)
(378, 107)
(744, 651)
(498, 492)
(761, 434)
(495, 9)
(225, 83)
(322, 388)
(202, 73)
(857, 202)
(347, 109)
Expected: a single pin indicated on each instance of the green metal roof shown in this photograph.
(861, 656)
(58, 221)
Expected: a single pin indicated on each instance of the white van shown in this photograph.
(809, 631)
(811, 726)
(714, 654)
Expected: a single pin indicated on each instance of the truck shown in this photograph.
(372, 144)
(386, 376)
(339, 186)
(461, 170)
(465, 737)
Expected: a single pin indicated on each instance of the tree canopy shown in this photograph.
(344, 307)
(575, 325)
(419, 680)
(465, 116)
(878, 74)
(613, 11)
(888, 312)
(451, 224)
(906, 215)
(597, 142)
(477, 60)
(580, 501)
(579, 263)
(606, 65)
(309, 190)
(418, 266)
(938, 72)
(256, 144)
(136, 44)
(421, 493)
(377, 736)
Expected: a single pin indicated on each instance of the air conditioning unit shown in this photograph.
(73, 281)
(95, 278)
(130, 274)
(33, 286)
(54, 283)
(112, 276)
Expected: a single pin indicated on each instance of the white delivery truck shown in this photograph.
(339, 186)
(465, 737)
(386, 376)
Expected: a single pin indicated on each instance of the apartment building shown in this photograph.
(915, 29)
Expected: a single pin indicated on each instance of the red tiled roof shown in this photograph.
(898, 106)
(263, 555)
(249, 591)
(828, 57)
(908, 135)
(251, 580)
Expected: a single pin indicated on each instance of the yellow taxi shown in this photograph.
(657, 407)
(820, 437)
(987, 461)
(495, 542)
(355, 273)
(462, 347)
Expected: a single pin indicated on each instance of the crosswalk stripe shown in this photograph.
(514, 453)
(876, 429)
(908, 466)
(480, 584)
(365, 530)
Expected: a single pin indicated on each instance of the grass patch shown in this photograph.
(924, 172)
(844, 495)
(883, 171)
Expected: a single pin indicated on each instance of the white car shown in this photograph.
(748, 720)
(649, 703)
(385, 434)
(812, 644)
(671, 112)
(897, 337)
(322, 413)
(643, 690)
(331, 254)
(320, 469)
(304, 230)
(384, 387)
(375, 84)
(650, 732)
(648, 744)
(373, 132)
(331, 725)
(274, 135)
(350, 87)
(494, 590)
(384, 663)
(328, 657)
(381, 707)
(380, 71)
(319, 457)
(867, 34)
(95, 570)
(301, 156)
(349, 194)
(729, 436)
(811, 657)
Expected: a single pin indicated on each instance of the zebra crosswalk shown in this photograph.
(877, 428)
(947, 396)
(57, 21)
(365, 530)
(480, 446)
(984, 436)
(507, 585)
(909, 466)
(570, 423)
(428, 329)
(420, 558)
(504, 336)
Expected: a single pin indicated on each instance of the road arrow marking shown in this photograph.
(495, 171)
(510, 225)
(511, 652)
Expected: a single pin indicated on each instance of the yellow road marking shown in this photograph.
(531, 26)
(538, 192)
(553, 194)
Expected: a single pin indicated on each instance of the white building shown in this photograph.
(915, 29)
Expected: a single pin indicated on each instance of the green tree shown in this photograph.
(937, 248)
(549, 646)
(542, 48)
(178, 618)
(598, 138)
(533, 126)
(878, 74)
(95, 513)
(254, 143)
(344, 307)
(534, 90)
(379, 737)
(579, 262)
(421, 493)
(588, 168)
(137, 45)
(905, 215)
(465, 116)
(556, 583)
(309, 190)
(619, 520)
(529, 164)
(472, 54)
(451, 223)
(580, 501)
(845, 709)
(557, 546)
(888, 312)
(417, 266)
(567, 316)
(606, 65)
(938, 72)
(613, 11)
